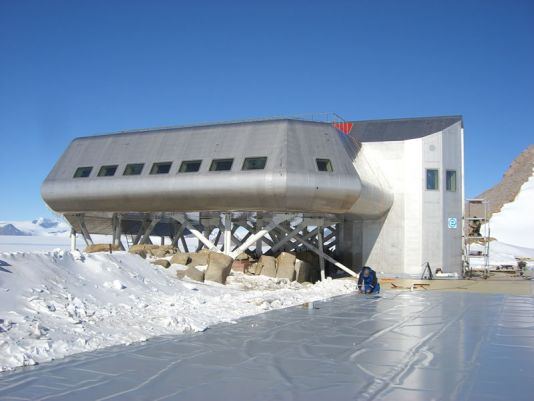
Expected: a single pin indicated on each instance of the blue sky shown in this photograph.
(72, 68)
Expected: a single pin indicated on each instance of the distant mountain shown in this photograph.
(45, 223)
(41, 226)
(10, 229)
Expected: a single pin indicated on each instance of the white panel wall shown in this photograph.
(415, 230)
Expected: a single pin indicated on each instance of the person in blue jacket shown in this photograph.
(367, 281)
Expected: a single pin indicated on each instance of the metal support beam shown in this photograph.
(144, 224)
(184, 221)
(274, 223)
(218, 236)
(288, 237)
(145, 239)
(305, 236)
(321, 256)
(227, 244)
(253, 230)
(184, 244)
(259, 242)
(117, 231)
(72, 239)
(246, 237)
(321, 253)
(207, 232)
(177, 234)
(86, 236)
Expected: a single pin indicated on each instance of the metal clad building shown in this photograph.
(383, 193)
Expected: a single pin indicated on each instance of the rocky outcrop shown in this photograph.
(507, 189)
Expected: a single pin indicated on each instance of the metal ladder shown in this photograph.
(477, 232)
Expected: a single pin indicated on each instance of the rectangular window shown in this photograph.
(107, 171)
(432, 179)
(161, 168)
(134, 169)
(82, 172)
(324, 165)
(254, 163)
(450, 180)
(190, 166)
(221, 164)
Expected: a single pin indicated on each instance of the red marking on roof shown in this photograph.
(343, 127)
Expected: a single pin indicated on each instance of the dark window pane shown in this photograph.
(324, 165)
(161, 168)
(107, 171)
(451, 180)
(432, 179)
(254, 163)
(82, 172)
(191, 166)
(221, 164)
(134, 169)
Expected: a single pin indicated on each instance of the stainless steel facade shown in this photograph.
(358, 181)
(290, 182)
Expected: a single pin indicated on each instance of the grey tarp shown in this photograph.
(402, 346)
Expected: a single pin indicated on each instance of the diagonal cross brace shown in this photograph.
(210, 245)
(261, 233)
(321, 253)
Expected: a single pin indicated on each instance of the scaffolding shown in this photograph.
(476, 238)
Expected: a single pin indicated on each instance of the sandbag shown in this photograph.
(302, 271)
(219, 266)
(241, 266)
(101, 248)
(285, 266)
(194, 274)
(267, 266)
(140, 252)
(159, 253)
(180, 259)
(162, 262)
(142, 247)
(254, 269)
(242, 256)
(198, 259)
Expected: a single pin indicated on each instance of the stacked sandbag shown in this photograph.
(142, 247)
(303, 271)
(285, 266)
(266, 266)
(162, 262)
(194, 274)
(158, 251)
(241, 263)
(180, 259)
(101, 248)
(198, 259)
(219, 266)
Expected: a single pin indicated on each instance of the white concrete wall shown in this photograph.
(416, 228)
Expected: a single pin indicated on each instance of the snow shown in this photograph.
(514, 224)
(58, 303)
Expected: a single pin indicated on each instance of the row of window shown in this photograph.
(432, 180)
(189, 166)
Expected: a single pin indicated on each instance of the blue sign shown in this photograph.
(452, 222)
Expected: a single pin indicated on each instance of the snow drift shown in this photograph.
(58, 303)
(514, 224)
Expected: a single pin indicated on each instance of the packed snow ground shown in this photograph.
(58, 303)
